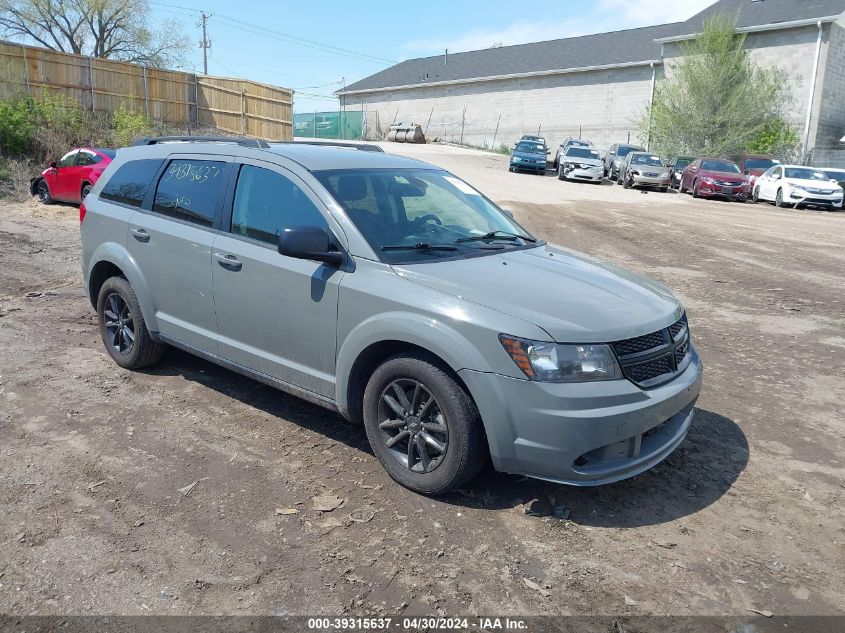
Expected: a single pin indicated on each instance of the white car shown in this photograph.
(570, 142)
(797, 186)
(580, 163)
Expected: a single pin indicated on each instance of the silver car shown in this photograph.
(581, 163)
(563, 147)
(642, 169)
(396, 294)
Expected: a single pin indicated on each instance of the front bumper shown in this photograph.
(529, 166)
(710, 190)
(590, 173)
(650, 181)
(807, 199)
(583, 434)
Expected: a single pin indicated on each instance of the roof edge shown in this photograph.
(774, 26)
(468, 80)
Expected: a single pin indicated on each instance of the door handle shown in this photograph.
(228, 261)
(141, 235)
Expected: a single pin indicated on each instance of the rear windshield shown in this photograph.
(107, 152)
(760, 163)
(835, 174)
(720, 165)
(582, 152)
(530, 147)
(805, 173)
(624, 150)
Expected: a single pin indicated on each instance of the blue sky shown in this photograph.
(290, 43)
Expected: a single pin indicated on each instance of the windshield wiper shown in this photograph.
(496, 235)
(420, 246)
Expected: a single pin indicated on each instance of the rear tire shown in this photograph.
(86, 189)
(412, 398)
(122, 326)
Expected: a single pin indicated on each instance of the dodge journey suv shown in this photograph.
(396, 294)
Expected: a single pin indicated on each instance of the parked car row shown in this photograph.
(749, 177)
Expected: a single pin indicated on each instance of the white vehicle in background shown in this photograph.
(797, 186)
(835, 175)
(580, 163)
(563, 147)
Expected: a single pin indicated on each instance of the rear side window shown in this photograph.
(130, 182)
(191, 190)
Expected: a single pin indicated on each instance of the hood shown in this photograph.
(813, 184)
(573, 297)
(530, 155)
(721, 175)
(582, 161)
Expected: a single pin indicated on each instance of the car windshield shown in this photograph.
(414, 215)
(805, 173)
(835, 174)
(680, 163)
(582, 152)
(646, 159)
(107, 152)
(760, 163)
(624, 150)
(720, 165)
(530, 147)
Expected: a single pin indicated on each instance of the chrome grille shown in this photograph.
(656, 358)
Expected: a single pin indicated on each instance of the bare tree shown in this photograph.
(115, 29)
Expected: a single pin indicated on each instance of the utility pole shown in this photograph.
(206, 43)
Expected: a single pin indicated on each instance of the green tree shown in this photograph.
(716, 101)
(113, 29)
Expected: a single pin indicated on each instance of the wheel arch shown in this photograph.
(109, 259)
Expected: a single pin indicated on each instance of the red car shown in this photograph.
(72, 177)
(753, 166)
(714, 178)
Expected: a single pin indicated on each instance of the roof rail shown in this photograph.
(238, 140)
(364, 147)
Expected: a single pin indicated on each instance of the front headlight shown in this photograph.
(550, 362)
(708, 180)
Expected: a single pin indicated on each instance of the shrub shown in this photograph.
(128, 125)
(14, 178)
(15, 126)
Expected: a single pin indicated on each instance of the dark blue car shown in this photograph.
(529, 156)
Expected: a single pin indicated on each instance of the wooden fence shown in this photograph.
(232, 105)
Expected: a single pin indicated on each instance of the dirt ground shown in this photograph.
(747, 514)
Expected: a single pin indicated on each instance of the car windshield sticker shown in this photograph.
(461, 185)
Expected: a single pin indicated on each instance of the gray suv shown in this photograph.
(615, 156)
(396, 294)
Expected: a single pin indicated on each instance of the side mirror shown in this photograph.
(54, 165)
(308, 242)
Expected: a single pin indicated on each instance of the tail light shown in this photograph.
(82, 211)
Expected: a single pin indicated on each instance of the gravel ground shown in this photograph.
(159, 491)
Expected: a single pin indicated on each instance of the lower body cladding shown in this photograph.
(583, 434)
(593, 174)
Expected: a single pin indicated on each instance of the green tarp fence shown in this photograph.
(331, 125)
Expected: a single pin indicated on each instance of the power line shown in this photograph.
(256, 29)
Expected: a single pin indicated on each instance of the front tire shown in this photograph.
(755, 195)
(122, 326)
(695, 189)
(421, 424)
(86, 189)
(560, 175)
(43, 190)
(779, 200)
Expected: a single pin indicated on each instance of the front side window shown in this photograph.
(130, 182)
(191, 190)
(266, 203)
(69, 159)
(421, 214)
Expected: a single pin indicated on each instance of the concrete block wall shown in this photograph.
(831, 113)
(603, 103)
